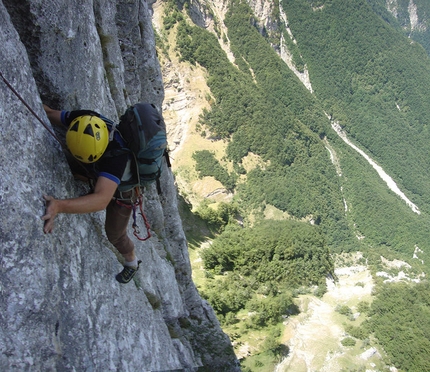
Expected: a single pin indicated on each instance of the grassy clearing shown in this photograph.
(198, 272)
(186, 95)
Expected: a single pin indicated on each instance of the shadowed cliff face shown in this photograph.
(61, 308)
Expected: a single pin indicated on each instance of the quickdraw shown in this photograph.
(133, 206)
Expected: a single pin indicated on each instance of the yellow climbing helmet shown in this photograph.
(87, 138)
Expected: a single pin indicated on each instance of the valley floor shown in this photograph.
(314, 335)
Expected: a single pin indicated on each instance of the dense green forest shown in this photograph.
(263, 108)
(271, 126)
(264, 265)
(400, 319)
(374, 81)
(370, 72)
(402, 22)
(207, 165)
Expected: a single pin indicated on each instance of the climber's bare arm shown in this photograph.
(97, 201)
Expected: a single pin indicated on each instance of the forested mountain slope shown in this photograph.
(412, 17)
(367, 77)
(271, 140)
(373, 81)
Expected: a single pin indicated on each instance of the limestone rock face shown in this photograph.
(60, 306)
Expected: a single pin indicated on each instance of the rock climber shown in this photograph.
(87, 139)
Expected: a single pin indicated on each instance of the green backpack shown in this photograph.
(144, 132)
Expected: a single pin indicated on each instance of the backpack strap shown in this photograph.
(158, 186)
(112, 131)
(169, 164)
(167, 157)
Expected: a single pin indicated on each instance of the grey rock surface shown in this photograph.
(60, 306)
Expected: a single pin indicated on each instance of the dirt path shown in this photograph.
(314, 336)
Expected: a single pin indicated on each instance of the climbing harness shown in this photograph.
(134, 206)
(30, 109)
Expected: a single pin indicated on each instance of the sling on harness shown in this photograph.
(133, 206)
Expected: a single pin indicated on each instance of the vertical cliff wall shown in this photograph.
(60, 306)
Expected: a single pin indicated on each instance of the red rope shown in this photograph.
(145, 220)
(136, 231)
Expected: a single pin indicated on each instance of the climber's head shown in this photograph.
(87, 138)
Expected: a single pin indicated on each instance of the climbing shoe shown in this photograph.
(127, 273)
